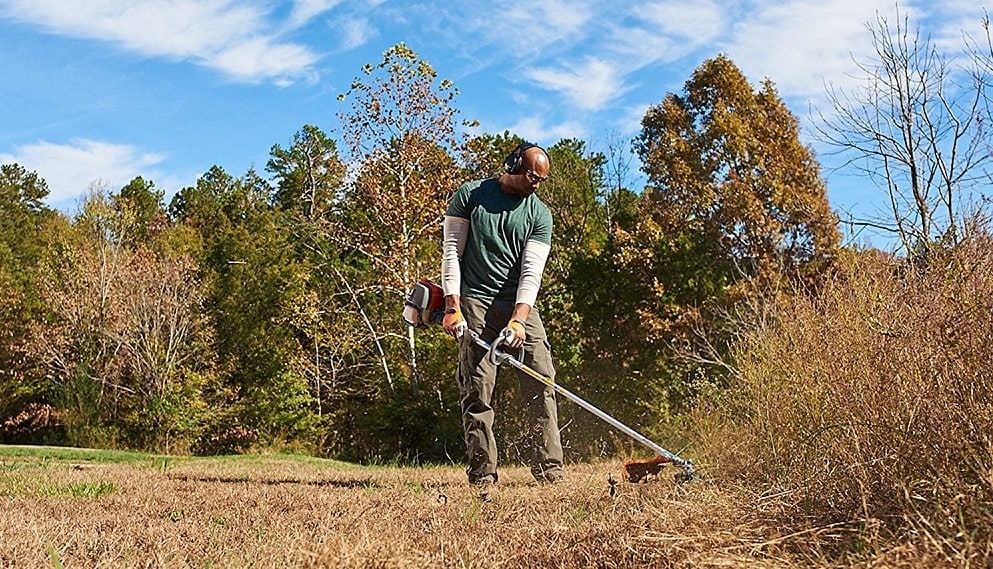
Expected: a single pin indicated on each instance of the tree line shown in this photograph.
(262, 310)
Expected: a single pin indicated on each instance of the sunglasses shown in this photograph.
(535, 178)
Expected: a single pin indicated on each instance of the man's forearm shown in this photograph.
(521, 312)
(455, 233)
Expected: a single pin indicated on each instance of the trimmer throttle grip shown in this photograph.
(496, 356)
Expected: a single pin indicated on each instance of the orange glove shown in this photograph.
(453, 323)
(517, 327)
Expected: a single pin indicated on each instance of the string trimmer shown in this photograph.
(424, 306)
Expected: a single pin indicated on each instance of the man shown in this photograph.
(497, 236)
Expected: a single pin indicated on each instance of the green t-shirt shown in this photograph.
(499, 226)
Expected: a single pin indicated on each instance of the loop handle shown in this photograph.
(496, 356)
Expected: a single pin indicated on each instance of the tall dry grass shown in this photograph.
(870, 405)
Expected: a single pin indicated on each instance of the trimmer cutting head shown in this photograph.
(637, 470)
(640, 470)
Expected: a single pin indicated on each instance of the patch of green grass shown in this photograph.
(79, 490)
(13, 485)
(53, 556)
(279, 457)
(71, 453)
(370, 488)
(579, 514)
(16, 466)
(36, 456)
(473, 513)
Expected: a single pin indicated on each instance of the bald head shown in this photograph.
(535, 160)
(532, 169)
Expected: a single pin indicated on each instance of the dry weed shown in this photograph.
(872, 404)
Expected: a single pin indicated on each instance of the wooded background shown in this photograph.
(263, 310)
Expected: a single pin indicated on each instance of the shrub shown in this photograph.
(871, 402)
(36, 422)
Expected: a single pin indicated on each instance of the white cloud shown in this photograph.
(605, 48)
(69, 169)
(692, 21)
(230, 36)
(803, 46)
(588, 86)
(635, 47)
(356, 32)
(305, 10)
(258, 58)
(800, 43)
(955, 24)
(522, 30)
(534, 129)
(543, 21)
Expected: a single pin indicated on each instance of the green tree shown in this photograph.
(24, 215)
(309, 174)
(26, 227)
(141, 205)
(22, 195)
(574, 194)
(309, 178)
(249, 261)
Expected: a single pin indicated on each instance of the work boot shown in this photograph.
(482, 481)
(547, 476)
(485, 486)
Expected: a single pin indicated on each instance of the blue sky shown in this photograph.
(100, 91)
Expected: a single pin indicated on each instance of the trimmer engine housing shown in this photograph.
(425, 304)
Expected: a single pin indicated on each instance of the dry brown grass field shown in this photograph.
(72, 510)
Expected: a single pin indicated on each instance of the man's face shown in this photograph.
(533, 171)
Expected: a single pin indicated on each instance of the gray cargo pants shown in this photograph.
(477, 379)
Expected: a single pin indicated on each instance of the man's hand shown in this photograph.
(453, 323)
(516, 340)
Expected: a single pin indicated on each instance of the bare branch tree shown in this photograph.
(617, 171)
(914, 128)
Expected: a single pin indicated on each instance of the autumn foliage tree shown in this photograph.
(733, 197)
(123, 325)
(726, 161)
(400, 129)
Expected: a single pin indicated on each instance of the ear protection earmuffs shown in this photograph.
(512, 163)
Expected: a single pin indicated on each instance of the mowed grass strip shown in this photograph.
(285, 511)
